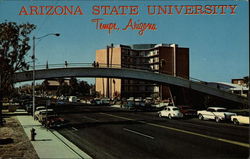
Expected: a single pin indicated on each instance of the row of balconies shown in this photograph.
(146, 87)
(140, 53)
(140, 61)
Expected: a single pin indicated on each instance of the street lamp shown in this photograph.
(33, 59)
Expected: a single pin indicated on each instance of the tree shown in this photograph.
(14, 46)
(45, 86)
(246, 80)
(63, 90)
(74, 87)
(84, 88)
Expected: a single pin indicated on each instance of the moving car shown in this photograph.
(215, 113)
(240, 118)
(187, 111)
(171, 112)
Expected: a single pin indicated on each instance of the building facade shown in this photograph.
(239, 81)
(159, 58)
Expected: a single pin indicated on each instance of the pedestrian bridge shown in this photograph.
(129, 74)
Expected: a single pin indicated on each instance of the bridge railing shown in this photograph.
(104, 65)
(137, 67)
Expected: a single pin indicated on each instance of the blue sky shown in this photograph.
(219, 49)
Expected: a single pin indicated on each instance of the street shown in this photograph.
(106, 132)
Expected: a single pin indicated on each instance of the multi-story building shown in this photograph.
(239, 81)
(160, 58)
(53, 84)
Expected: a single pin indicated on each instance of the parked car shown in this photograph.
(148, 101)
(28, 107)
(187, 111)
(105, 101)
(241, 118)
(160, 105)
(171, 112)
(129, 104)
(38, 109)
(72, 99)
(215, 113)
(60, 102)
(45, 113)
(138, 102)
(54, 122)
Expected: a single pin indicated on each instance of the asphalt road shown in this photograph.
(111, 133)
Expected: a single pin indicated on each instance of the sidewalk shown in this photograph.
(49, 143)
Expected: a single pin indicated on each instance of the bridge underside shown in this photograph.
(200, 100)
(185, 91)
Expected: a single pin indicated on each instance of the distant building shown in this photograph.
(160, 58)
(53, 84)
(230, 87)
(239, 81)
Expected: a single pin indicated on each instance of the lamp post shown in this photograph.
(33, 59)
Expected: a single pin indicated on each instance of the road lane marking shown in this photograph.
(138, 133)
(185, 131)
(74, 128)
(90, 118)
(117, 116)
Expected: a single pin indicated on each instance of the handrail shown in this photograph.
(118, 66)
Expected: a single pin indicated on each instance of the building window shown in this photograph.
(142, 53)
(156, 59)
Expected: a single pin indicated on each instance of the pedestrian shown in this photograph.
(97, 64)
(66, 64)
(94, 64)
(218, 86)
(47, 65)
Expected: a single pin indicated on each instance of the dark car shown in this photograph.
(187, 111)
(54, 122)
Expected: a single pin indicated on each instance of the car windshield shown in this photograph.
(221, 110)
(48, 113)
(175, 109)
(40, 108)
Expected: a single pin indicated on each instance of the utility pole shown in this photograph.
(110, 80)
(34, 70)
(107, 93)
(1, 88)
(33, 79)
(1, 99)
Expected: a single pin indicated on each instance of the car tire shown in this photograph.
(160, 115)
(169, 116)
(201, 117)
(236, 122)
(217, 119)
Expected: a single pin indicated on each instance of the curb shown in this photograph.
(70, 145)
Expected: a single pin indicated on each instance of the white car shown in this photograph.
(241, 118)
(171, 112)
(215, 113)
(43, 113)
(38, 109)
